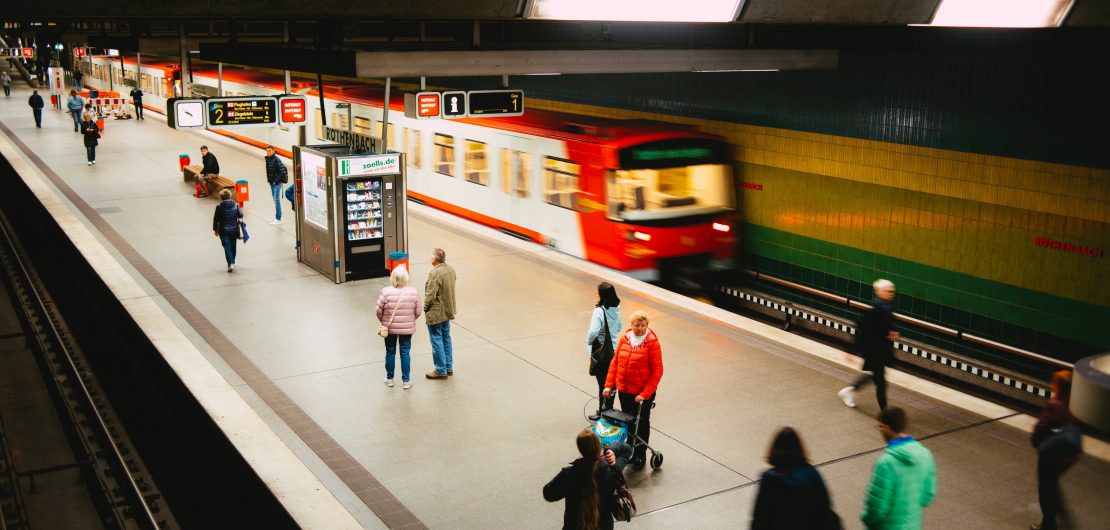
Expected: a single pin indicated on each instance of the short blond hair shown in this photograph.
(399, 277)
(882, 283)
(638, 316)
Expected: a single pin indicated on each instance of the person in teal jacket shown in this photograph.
(903, 481)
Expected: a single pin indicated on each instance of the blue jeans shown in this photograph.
(391, 357)
(90, 151)
(228, 241)
(441, 346)
(38, 117)
(76, 114)
(275, 190)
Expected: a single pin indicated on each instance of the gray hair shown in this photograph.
(399, 277)
(882, 284)
(439, 255)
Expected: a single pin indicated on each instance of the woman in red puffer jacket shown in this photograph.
(635, 371)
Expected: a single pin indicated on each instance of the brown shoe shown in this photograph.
(435, 375)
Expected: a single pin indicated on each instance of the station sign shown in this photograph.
(293, 110)
(481, 103)
(424, 105)
(14, 53)
(185, 113)
(78, 51)
(243, 111)
(454, 104)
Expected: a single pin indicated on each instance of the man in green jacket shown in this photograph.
(904, 480)
(439, 311)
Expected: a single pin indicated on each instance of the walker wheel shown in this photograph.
(656, 460)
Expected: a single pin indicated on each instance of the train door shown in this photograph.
(518, 163)
(557, 214)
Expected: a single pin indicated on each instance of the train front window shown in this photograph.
(671, 178)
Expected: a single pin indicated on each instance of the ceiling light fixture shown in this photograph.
(1001, 13)
(635, 10)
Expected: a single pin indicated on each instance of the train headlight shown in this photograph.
(722, 227)
(642, 236)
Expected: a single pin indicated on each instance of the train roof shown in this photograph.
(565, 125)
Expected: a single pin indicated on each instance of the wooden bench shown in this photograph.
(189, 173)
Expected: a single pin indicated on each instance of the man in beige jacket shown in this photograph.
(439, 310)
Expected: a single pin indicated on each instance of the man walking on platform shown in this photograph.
(277, 175)
(903, 481)
(439, 311)
(36, 103)
(210, 170)
(6, 81)
(137, 98)
(75, 105)
(875, 336)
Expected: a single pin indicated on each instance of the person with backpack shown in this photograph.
(397, 311)
(1058, 440)
(605, 325)
(36, 103)
(75, 105)
(225, 224)
(92, 138)
(589, 484)
(792, 494)
(277, 175)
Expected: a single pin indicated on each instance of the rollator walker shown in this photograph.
(615, 426)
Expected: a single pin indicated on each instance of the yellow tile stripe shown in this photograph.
(1060, 189)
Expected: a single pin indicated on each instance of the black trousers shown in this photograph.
(7, 90)
(138, 110)
(878, 375)
(1049, 470)
(602, 373)
(629, 405)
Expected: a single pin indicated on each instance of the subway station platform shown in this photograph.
(290, 364)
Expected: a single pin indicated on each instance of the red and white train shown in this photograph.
(634, 195)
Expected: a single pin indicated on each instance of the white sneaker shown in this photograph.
(94, 162)
(90, 163)
(229, 269)
(847, 395)
(232, 266)
(388, 382)
(407, 385)
(276, 222)
(273, 221)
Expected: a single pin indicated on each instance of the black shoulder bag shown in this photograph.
(597, 355)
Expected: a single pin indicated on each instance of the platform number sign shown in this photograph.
(454, 104)
(247, 111)
(495, 103)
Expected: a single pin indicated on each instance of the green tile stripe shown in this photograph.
(1043, 312)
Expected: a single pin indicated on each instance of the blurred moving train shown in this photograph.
(642, 197)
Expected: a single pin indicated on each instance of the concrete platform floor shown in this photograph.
(474, 451)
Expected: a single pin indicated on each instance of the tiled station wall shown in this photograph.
(973, 170)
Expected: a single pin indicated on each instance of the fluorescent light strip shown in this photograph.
(636, 10)
(1001, 13)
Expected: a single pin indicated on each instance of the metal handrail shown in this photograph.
(936, 328)
(124, 468)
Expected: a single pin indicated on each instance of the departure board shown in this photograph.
(244, 111)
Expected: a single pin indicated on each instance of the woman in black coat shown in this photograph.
(588, 484)
(92, 134)
(792, 494)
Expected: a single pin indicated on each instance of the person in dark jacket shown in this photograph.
(276, 175)
(92, 135)
(36, 103)
(210, 169)
(603, 334)
(225, 224)
(792, 494)
(1055, 453)
(137, 99)
(77, 77)
(588, 484)
(875, 336)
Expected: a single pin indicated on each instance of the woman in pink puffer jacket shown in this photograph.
(398, 308)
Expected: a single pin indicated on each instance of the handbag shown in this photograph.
(598, 351)
(624, 506)
(1064, 442)
(383, 330)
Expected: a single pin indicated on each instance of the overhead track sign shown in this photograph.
(245, 111)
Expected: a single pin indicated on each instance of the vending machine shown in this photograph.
(352, 211)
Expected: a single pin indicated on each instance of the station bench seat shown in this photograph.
(189, 173)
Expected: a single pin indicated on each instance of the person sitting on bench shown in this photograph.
(210, 170)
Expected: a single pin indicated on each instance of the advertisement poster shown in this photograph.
(314, 186)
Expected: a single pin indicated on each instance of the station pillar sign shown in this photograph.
(293, 110)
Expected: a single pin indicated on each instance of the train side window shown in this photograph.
(445, 154)
(413, 149)
(560, 182)
(516, 169)
(477, 163)
(362, 125)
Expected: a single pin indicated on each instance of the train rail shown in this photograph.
(119, 483)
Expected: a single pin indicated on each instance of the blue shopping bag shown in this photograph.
(243, 232)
